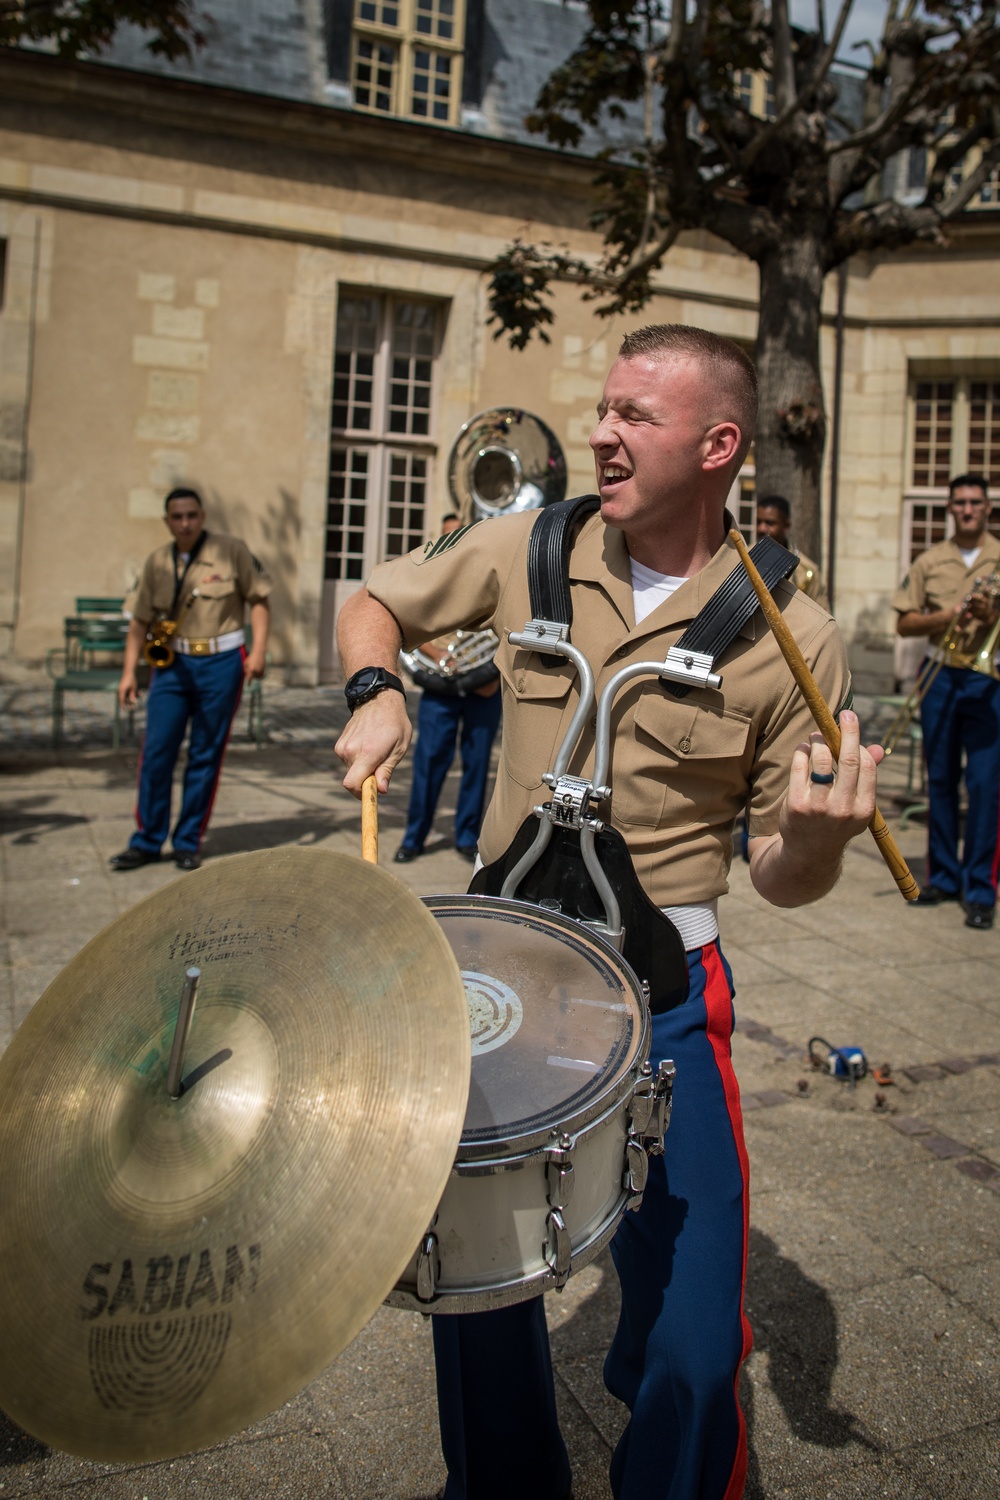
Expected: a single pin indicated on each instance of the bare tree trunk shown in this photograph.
(791, 426)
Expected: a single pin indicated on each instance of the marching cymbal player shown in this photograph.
(674, 423)
(952, 594)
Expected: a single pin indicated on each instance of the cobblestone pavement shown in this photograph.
(873, 1274)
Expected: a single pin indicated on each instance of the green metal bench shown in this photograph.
(89, 661)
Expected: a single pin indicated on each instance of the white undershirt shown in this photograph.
(650, 589)
(969, 556)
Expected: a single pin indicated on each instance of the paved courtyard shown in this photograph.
(874, 1278)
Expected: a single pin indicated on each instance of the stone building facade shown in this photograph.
(232, 274)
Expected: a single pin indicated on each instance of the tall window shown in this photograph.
(381, 456)
(955, 429)
(406, 58)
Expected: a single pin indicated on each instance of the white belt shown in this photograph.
(227, 642)
(697, 924)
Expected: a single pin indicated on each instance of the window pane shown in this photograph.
(410, 387)
(345, 548)
(374, 75)
(405, 519)
(932, 433)
(377, 12)
(354, 362)
(984, 429)
(436, 18)
(431, 85)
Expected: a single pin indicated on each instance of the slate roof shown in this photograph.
(262, 46)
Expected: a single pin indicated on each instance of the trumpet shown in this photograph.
(947, 653)
(158, 651)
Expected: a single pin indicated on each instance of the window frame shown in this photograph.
(379, 440)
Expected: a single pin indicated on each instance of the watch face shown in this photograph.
(364, 684)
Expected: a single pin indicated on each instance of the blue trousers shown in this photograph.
(441, 720)
(203, 691)
(681, 1336)
(961, 712)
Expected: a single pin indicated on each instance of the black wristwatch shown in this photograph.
(368, 683)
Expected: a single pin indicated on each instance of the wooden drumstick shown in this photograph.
(825, 721)
(369, 820)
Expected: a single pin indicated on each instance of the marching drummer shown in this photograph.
(675, 422)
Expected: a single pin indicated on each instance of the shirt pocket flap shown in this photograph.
(692, 731)
(529, 679)
(216, 588)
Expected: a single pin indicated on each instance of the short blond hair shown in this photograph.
(729, 369)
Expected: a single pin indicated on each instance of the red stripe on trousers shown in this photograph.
(225, 747)
(718, 1006)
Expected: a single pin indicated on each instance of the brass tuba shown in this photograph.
(158, 651)
(505, 460)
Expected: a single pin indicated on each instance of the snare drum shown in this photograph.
(551, 1153)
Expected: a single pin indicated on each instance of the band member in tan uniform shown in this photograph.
(774, 518)
(956, 586)
(674, 423)
(201, 583)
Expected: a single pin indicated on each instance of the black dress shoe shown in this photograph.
(131, 858)
(404, 854)
(470, 853)
(187, 861)
(979, 916)
(931, 895)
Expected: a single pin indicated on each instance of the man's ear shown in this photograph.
(724, 444)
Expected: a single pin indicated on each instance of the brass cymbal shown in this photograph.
(173, 1269)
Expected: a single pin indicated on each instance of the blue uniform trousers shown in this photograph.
(205, 692)
(961, 712)
(681, 1337)
(441, 720)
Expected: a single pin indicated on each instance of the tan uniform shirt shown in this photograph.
(939, 579)
(682, 769)
(222, 580)
(809, 579)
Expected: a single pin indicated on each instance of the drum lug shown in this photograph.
(662, 1101)
(558, 1248)
(641, 1107)
(636, 1171)
(559, 1172)
(428, 1268)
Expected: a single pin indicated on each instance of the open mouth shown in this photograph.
(613, 475)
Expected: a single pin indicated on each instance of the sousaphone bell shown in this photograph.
(503, 461)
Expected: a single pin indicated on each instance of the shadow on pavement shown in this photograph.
(794, 1322)
(27, 821)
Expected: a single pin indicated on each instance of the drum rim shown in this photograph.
(618, 1086)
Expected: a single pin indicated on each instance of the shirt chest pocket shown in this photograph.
(216, 588)
(682, 762)
(536, 701)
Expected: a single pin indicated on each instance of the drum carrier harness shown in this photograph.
(564, 856)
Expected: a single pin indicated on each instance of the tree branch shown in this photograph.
(784, 67)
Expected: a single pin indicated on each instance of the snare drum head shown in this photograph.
(556, 1015)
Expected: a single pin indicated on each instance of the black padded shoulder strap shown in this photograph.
(734, 601)
(548, 558)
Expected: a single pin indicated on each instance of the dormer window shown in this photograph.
(406, 58)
